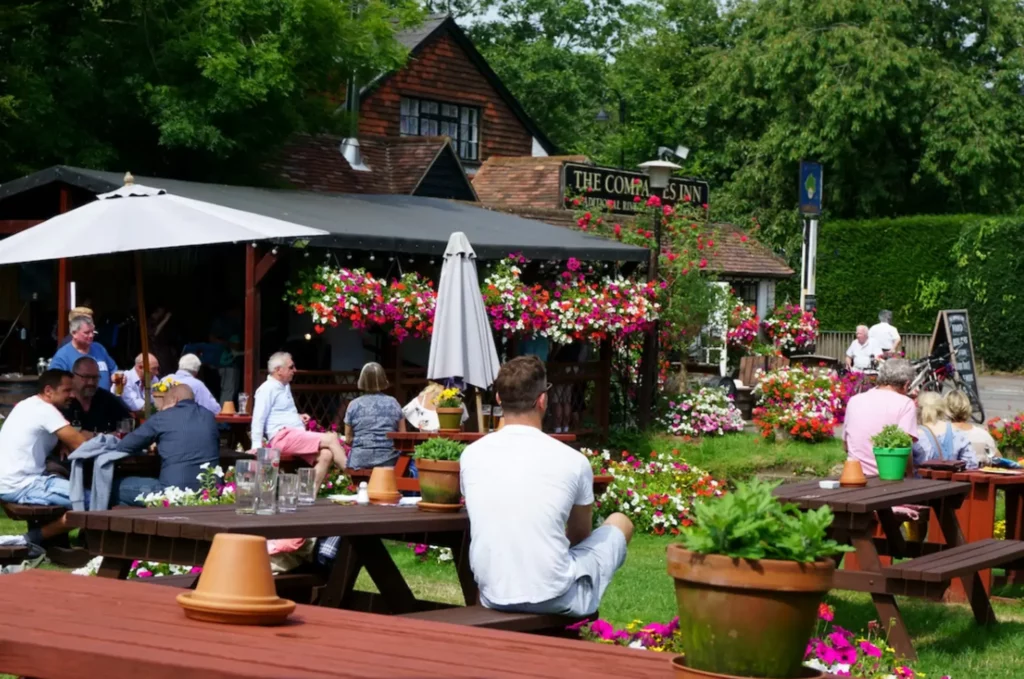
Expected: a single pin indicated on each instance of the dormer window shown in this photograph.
(428, 118)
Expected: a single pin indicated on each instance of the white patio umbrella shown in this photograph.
(462, 345)
(135, 218)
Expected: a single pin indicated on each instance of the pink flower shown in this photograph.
(870, 649)
(573, 264)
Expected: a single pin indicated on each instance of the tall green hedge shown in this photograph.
(868, 265)
(917, 265)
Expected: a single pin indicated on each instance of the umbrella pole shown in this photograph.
(479, 411)
(144, 331)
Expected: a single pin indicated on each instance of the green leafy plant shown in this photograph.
(439, 449)
(751, 523)
(892, 437)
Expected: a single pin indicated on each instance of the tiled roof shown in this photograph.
(397, 164)
(732, 256)
(412, 37)
(523, 182)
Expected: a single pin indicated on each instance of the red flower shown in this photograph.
(319, 329)
(743, 238)
(703, 263)
(636, 199)
(611, 204)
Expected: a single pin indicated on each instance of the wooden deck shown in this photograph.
(62, 626)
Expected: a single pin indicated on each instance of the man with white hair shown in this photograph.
(867, 413)
(862, 351)
(276, 419)
(83, 333)
(134, 396)
(884, 334)
(188, 371)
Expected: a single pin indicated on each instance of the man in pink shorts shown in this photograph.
(276, 419)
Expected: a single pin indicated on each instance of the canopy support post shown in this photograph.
(255, 271)
(140, 296)
(63, 275)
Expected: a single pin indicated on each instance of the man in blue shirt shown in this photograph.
(186, 436)
(82, 334)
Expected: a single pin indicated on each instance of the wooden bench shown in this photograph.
(298, 587)
(12, 555)
(478, 616)
(33, 514)
(943, 566)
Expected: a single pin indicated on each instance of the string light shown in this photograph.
(350, 255)
(308, 337)
(391, 258)
(371, 257)
(274, 251)
(305, 255)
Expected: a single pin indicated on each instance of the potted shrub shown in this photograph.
(437, 461)
(749, 576)
(449, 409)
(892, 452)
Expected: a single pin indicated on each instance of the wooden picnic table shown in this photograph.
(856, 512)
(978, 513)
(62, 626)
(182, 535)
(238, 429)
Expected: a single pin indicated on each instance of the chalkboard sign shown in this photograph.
(952, 337)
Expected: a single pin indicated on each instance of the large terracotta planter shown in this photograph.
(439, 484)
(449, 419)
(746, 618)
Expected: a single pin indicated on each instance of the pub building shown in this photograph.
(442, 128)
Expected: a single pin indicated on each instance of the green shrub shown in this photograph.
(439, 448)
(868, 265)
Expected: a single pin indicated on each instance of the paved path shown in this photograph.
(1002, 396)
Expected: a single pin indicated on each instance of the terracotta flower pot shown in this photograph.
(853, 475)
(684, 672)
(449, 419)
(439, 482)
(746, 618)
(228, 408)
(382, 488)
(236, 585)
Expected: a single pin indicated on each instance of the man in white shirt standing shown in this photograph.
(30, 433)
(884, 334)
(862, 351)
(530, 502)
(275, 417)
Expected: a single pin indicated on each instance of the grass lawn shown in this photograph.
(738, 456)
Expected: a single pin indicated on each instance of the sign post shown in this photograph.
(811, 188)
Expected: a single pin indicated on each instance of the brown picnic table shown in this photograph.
(63, 626)
(931, 567)
(182, 535)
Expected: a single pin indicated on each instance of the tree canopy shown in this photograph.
(184, 86)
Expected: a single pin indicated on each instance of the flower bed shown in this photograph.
(832, 649)
(1008, 435)
(805, 403)
(706, 412)
(791, 329)
(657, 493)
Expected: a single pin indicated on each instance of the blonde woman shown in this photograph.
(958, 405)
(936, 437)
(369, 419)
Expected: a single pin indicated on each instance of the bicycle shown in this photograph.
(937, 374)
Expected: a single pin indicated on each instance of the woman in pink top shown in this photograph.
(868, 413)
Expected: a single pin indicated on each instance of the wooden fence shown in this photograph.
(834, 344)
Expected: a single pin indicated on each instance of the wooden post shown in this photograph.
(249, 339)
(604, 390)
(63, 275)
(140, 296)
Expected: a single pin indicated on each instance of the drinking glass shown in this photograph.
(245, 486)
(268, 461)
(243, 403)
(307, 486)
(485, 410)
(287, 492)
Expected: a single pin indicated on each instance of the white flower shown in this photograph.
(90, 568)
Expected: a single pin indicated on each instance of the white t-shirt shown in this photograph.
(884, 335)
(520, 486)
(863, 353)
(27, 437)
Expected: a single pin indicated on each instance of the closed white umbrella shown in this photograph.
(137, 217)
(462, 345)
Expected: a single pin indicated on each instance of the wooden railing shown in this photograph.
(835, 344)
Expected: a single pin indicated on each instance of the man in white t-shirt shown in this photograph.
(31, 432)
(530, 502)
(884, 334)
(862, 351)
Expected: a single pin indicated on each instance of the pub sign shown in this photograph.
(595, 186)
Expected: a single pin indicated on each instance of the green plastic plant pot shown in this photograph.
(892, 463)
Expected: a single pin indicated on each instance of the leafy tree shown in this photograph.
(203, 86)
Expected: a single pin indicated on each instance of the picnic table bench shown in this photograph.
(126, 630)
(931, 567)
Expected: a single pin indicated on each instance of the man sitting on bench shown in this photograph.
(32, 430)
(530, 502)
